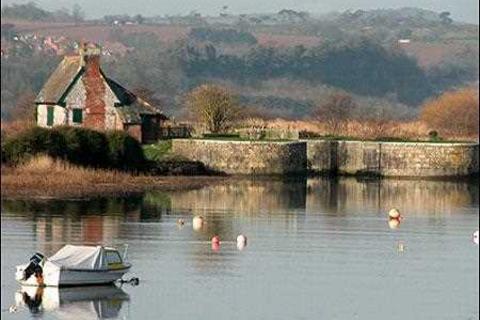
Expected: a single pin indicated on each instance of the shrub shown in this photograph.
(124, 151)
(157, 151)
(85, 146)
(79, 146)
(31, 142)
(454, 112)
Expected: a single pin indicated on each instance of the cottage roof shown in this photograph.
(60, 80)
(70, 70)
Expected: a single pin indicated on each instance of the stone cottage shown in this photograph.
(78, 93)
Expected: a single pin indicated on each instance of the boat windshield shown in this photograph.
(112, 259)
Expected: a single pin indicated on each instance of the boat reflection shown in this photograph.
(92, 302)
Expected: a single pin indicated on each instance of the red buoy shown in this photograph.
(216, 239)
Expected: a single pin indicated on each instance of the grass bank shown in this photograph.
(45, 177)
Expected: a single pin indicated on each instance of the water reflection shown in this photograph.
(98, 302)
(107, 220)
(306, 238)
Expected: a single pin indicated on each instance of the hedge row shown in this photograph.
(86, 147)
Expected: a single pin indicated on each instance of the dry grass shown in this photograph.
(45, 177)
(366, 130)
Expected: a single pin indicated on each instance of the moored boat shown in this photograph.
(74, 265)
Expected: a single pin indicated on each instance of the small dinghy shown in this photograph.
(72, 266)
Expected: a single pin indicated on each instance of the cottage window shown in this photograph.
(77, 115)
(50, 112)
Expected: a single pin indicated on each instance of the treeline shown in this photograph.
(362, 67)
(32, 12)
(23, 76)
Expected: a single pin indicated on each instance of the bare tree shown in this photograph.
(214, 105)
(77, 13)
(335, 111)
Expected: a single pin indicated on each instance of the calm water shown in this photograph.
(317, 249)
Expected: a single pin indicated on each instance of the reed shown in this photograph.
(43, 176)
(360, 129)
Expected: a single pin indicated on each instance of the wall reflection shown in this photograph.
(413, 197)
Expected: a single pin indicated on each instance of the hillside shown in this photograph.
(390, 59)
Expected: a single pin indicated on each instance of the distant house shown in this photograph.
(78, 93)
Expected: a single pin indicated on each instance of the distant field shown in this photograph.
(427, 54)
(95, 32)
(277, 40)
(431, 54)
(167, 33)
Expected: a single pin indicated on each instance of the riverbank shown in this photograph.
(43, 177)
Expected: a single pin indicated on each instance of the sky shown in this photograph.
(461, 10)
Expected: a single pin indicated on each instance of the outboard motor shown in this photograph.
(34, 266)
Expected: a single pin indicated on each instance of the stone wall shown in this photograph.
(393, 159)
(245, 157)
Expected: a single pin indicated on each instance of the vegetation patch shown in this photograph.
(78, 146)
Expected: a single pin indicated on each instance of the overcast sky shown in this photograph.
(461, 10)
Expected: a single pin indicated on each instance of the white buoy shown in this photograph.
(242, 239)
(475, 237)
(197, 223)
(241, 242)
(394, 214)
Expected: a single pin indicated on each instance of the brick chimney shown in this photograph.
(90, 56)
(94, 84)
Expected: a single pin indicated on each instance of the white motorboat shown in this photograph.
(74, 265)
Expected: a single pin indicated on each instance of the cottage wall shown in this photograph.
(75, 99)
(59, 115)
(112, 120)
